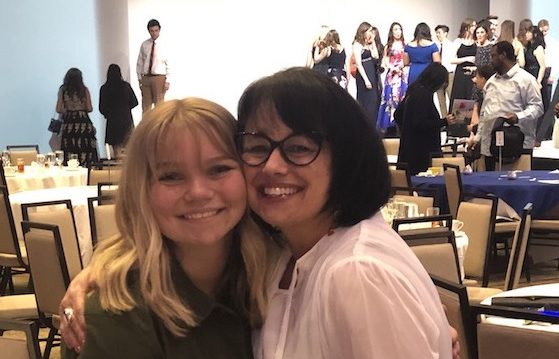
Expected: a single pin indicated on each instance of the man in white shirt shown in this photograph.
(493, 26)
(152, 67)
(447, 50)
(545, 129)
(513, 94)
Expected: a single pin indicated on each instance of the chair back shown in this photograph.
(47, 263)
(479, 224)
(400, 176)
(456, 161)
(391, 146)
(12, 254)
(59, 214)
(523, 163)
(27, 152)
(107, 191)
(101, 219)
(521, 341)
(518, 249)
(453, 184)
(422, 202)
(17, 348)
(103, 173)
(454, 297)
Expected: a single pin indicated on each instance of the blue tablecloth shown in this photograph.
(525, 188)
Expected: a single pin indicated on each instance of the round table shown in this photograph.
(77, 194)
(35, 177)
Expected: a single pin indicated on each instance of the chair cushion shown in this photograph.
(18, 307)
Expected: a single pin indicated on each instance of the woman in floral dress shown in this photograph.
(396, 82)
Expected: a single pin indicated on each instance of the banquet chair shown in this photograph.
(400, 176)
(60, 214)
(439, 159)
(13, 256)
(455, 195)
(102, 219)
(454, 297)
(496, 341)
(424, 234)
(479, 224)
(15, 347)
(50, 272)
(519, 249)
(27, 152)
(103, 172)
(107, 191)
(391, 146)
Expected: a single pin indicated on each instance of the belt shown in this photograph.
(151, 75)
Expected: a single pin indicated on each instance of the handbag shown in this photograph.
(55, 125)
(513, 141)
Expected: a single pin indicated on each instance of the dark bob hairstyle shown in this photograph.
(307, 101)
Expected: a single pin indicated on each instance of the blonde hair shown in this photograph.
(140, 246)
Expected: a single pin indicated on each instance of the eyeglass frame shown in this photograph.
(315, 136)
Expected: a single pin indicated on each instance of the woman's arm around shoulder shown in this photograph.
(371, 310)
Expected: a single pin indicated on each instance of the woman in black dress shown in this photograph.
(367, 56)
(116, 99)
(336, 60)
(78, 132)
(419, 121)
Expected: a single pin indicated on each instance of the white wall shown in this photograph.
(220, 46)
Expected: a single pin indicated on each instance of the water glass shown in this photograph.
(6, 159)
(59, 157)
(49, 159)
(433, 211)
(40, 160)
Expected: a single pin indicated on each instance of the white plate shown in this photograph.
(72, 168)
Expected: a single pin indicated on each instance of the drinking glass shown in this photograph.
(433, 211)
(41, 160)
(59, 157)
(6, 159)
(49, 159)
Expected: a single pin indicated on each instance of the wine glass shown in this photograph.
(59, 157)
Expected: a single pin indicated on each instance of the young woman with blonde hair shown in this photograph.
(188, 269)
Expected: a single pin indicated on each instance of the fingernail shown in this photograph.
(77, 349)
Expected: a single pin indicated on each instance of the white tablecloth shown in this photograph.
(546, 290)
(78, 195)
(39, 178)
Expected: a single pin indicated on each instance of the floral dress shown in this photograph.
(395, 86)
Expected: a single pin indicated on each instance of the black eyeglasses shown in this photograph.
(296, 149)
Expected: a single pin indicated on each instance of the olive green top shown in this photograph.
(221, 334)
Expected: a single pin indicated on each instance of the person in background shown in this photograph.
(420, 52)
(185, 278)
(448, 52)
(493, 27)
(153, 68)
(77, 131)
(508, 34)
(116, 100)
(545, 131)
(524, 26)
(367, 60)
(315, 43)
(337, 59)
(396, 81)
(419, 121)
(511, 93)
(465, 58)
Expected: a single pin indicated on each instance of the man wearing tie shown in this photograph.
(153, 67)
(447, 50)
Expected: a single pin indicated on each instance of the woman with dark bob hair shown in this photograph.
(317, 175)
(317, 172)
(419, 121)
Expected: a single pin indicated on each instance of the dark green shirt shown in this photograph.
(221, 334)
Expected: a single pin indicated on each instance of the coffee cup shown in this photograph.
(457, 225)
(73, 163)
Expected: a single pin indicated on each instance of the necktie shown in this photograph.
(441, 50)
(151, 57)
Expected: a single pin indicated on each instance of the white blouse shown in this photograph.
(360, 292)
